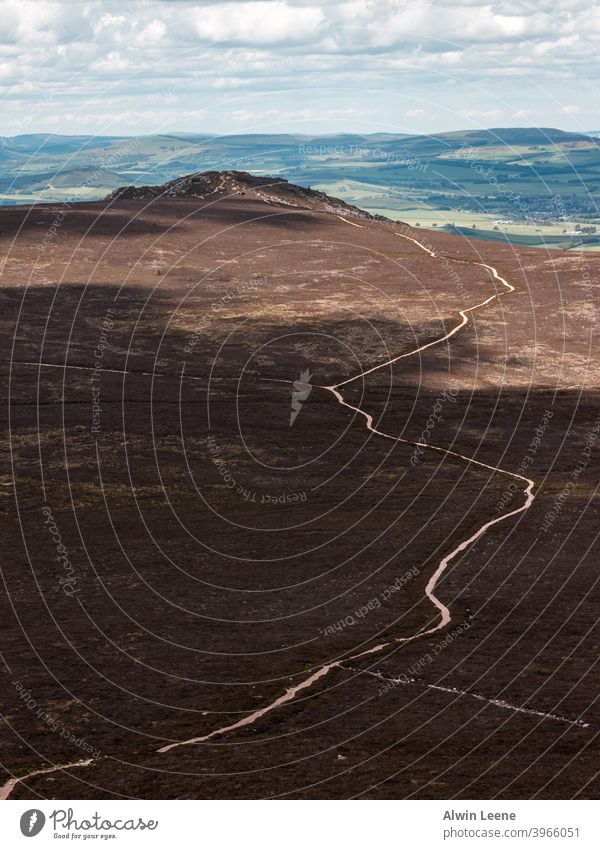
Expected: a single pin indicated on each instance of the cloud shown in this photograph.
(274, 22)
(482, 114)
(274, 117)
(460, 60)
(112, 64)
(153, 33)
(108, 20)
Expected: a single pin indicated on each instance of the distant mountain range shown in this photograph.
(163, 151)
(469, 171)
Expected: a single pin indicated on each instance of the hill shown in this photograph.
(265, 189)
(537, 179)
(500, 136)
(225, 600)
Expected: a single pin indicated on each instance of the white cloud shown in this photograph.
(460, 60)
(112, 64)
(153, 33)
(110, 21)
(481, 114)
(274, 22)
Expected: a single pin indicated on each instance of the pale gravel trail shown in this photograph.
(7, 788)
(445, 617)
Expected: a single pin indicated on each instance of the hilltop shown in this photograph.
(266, 189)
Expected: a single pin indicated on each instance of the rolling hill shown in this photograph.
(384, 597)
(538, 179)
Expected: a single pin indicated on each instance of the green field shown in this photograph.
(544, 182)
(478, 225)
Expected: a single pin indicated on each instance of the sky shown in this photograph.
(104, 67)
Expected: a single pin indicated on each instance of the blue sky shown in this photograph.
(146, 66)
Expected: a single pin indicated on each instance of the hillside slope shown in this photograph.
(217, 556)
(266, 189)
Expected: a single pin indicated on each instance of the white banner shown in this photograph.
(302, 824)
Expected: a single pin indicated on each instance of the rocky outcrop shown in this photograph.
(273, 190)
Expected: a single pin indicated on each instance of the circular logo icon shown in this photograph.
(32, 822)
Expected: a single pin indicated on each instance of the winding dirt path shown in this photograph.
(444, 617)
(7, 788)
(444, 612)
